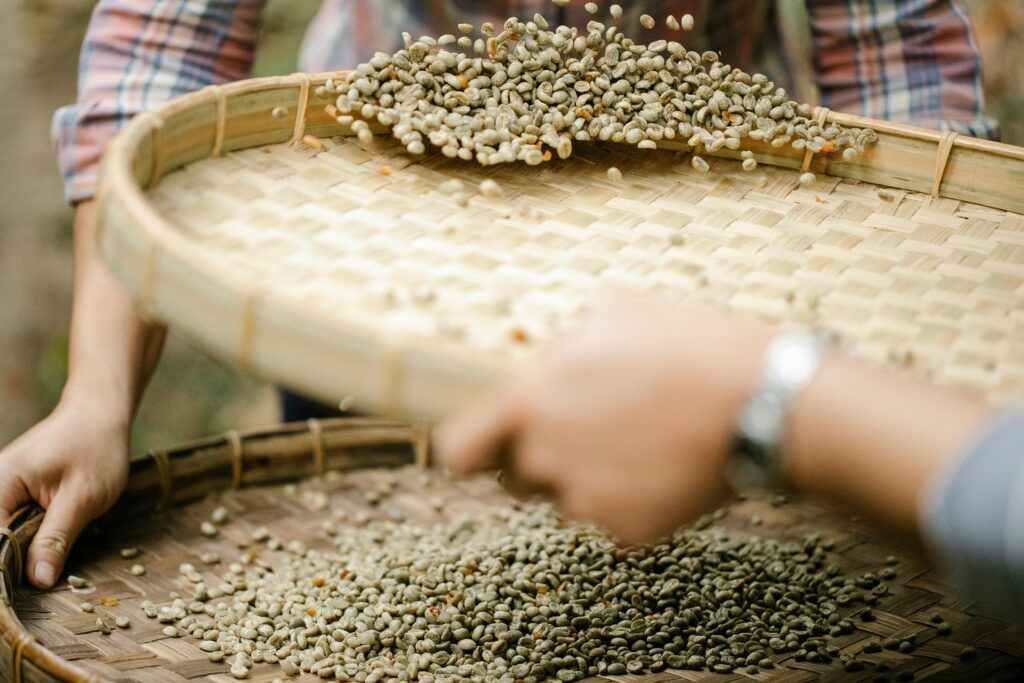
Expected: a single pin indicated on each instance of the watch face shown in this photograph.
(791, 362)
(762, 421)
(794, 362)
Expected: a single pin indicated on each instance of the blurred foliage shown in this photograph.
(284, 25)
(57, 27)
(191, 395)
(62, 228)
(51, 371)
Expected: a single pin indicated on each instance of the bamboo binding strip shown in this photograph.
(44, 637)
(271, 251)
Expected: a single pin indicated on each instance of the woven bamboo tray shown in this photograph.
(45, 637)
(338, 269)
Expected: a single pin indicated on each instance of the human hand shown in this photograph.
(74, 464)
(626, 420)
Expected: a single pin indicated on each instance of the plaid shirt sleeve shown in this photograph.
(137, 54)
(910, 61)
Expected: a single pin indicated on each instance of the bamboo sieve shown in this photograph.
(338, 268)
(44, 637)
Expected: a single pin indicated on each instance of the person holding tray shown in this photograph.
(893, 59)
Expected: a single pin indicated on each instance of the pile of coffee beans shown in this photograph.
(527, 92)
(517, 595)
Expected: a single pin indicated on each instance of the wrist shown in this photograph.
(102, 404)
(761, 427)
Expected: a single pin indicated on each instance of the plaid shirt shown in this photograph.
(913, 61)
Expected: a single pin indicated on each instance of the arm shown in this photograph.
(876, 440)
(920, 460)
(75, 462)
(900, 60)
(627, 421)
(112, 352)
(137, 53)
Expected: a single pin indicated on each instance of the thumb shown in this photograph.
(64, 520)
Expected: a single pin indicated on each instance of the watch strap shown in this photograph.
(790, 363)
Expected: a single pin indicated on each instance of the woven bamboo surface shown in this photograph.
(142, 653)
(340, 269)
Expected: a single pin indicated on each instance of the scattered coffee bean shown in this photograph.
(491, 189)
(77, 581)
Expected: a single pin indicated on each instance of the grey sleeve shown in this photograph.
(973, 519)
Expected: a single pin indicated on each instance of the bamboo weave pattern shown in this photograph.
(369, 233)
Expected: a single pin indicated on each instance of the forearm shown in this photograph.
(877, 440)
(112, 350)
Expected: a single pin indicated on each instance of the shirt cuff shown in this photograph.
(983, 127)
(80, 133)
(973, 518)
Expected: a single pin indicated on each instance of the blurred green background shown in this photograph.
(193, 395)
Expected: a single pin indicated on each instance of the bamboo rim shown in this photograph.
(188, 472)
(330, 357)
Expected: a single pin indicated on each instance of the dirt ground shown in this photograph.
(193, 395)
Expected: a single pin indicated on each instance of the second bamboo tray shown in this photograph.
(337, 268)
(45, 637)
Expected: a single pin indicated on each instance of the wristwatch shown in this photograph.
(791, 361)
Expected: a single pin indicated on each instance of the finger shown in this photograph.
(63, 522)
(512, 477)
(622, 528)
(12, 496)
(473, 440)
(626, 522)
